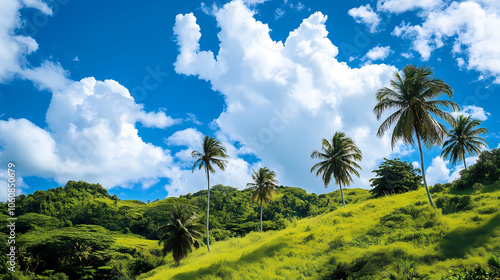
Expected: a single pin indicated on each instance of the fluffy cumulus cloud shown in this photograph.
(91, 135)
(473, 111)
(366, 15)
(441, 171)
(283, 98)
(467, 26)
(378, 53)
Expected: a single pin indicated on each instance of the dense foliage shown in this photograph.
(395, 176)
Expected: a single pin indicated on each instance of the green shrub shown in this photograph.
(393, 177)
(454, 203)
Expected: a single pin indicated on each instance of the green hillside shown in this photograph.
(366, 240)
(79, 231)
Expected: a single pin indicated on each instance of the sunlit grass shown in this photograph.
(313, 247)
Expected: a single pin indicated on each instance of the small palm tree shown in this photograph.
(213, 152)
(263, 187)
(181, 232)
(413, 96)
(463, 137)
(338, 158)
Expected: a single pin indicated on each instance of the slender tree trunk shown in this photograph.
(342, 192)
(208, 210)
(423, 172)
(465, 164)
(260, 214)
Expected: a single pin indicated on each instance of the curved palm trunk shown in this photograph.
(208, 210)
(465, 164)
(423, 173)
(261, 215)
(342, 192)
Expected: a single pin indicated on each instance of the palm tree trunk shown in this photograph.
(423, 172)
(342, 192)
(208, 210)
(260, 214)
(465, 164)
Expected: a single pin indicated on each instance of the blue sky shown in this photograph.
(119, 93)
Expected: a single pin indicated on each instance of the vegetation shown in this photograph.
(413, 96)
(213, 152)
(263, 187)
(338, 158)
(305, 235)
(395, 176)
(463, 137)
(181, 232)
(393, 237)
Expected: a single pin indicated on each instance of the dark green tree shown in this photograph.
(181, 232)
(263, 186)
(338, 159)
(462, 138)
(213, 152)
(412, 94)
(393, 177)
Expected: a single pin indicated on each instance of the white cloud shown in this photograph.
(253, 2)
(473, 111)
(366, 15)
(283, 98)
(49, 75)
(400, 6)
(468, 25)
(378, 53)
(407, 55)
(438, 171)
(13, 47)
(92, 137)
(416, 164)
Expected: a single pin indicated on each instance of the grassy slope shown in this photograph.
(310, 248)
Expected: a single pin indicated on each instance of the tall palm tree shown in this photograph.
(413, 96)
(181, 232)
(213, 152)
(338, 158)
(263, 187)
(463, 137)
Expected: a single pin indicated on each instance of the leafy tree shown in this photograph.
(263, 187)
(338, 158)
(395, 176)
(213, 152)
(413, 96)
(181, 232)
(463, 137)
(485, 171)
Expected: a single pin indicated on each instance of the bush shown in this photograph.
(395, 176)
(454, 203)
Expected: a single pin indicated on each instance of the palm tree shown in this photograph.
(263, 187)
(338, 158)
(463, 137)
(413, 96)
(213, 152)
(181, 232)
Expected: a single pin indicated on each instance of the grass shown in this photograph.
(365, 240)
